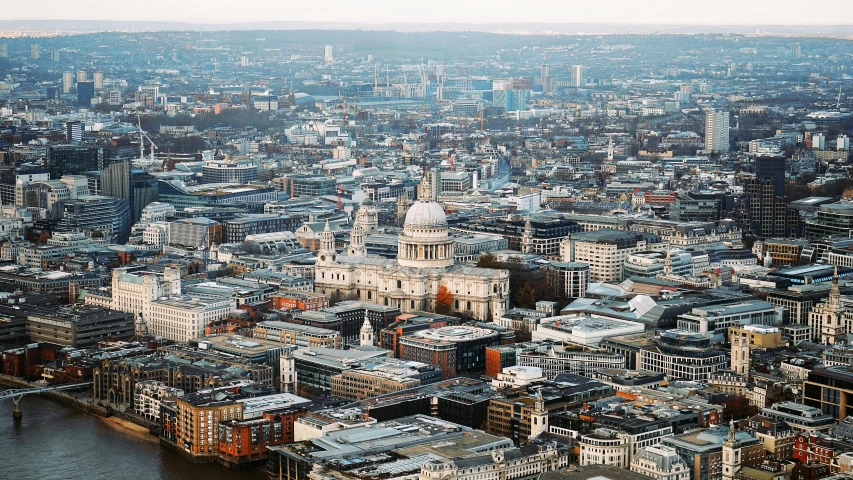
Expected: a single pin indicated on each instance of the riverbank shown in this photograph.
(15, 382)
(129, 428)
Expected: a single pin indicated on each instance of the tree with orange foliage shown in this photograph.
(443, 301)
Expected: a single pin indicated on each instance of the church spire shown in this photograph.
(834, 293)
(425, 189)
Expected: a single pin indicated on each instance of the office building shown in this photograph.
(159, 307)
(299, 335)
(455, 350)
(316, 366)
(714, 321)
(604, 447)
(585, 330)
(182, 196)
(97, 216)
(237, 229)
(381, 378)
(826, 390)
(660, 462)
(34, 51)
(605, 251)
(74, 159)
(85, 93)
(702, 450)
(327, 54)
(682, 355)
(79, 326)
(814, 416)
(235, 173)
(74, 131)
(717, 131)
(82, 76)
(195, 232)
(558, 359)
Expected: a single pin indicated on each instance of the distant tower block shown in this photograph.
(327, 55)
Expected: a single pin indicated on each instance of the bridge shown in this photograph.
(17, 394)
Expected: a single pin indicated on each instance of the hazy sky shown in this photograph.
(720, 12)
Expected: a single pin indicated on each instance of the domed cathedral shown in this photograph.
(424, 264)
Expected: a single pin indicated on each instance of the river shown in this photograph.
(57, 442)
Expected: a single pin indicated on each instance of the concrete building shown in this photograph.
(660, 463)
(682, 355)
(382, 378)
(605, 251)
(81, 326)
(714, 321)
(299, 335)
(582, 329)
(158, 305)
(717, 131)
(604, 447)
(455, 350)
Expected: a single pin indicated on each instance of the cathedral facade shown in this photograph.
(424, 264)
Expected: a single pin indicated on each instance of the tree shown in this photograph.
(488, 260)
(443, 301)
(738, 408)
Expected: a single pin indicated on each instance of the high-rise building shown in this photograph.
(34, 51)
(54, 54)
(85, 93)
(66, 82)
(73, 159)
(327, 54)
(95, 214)
(772, 170)
(4, 50)
(115, 181)
(577, 75)
(81, 76)
(795, 50)
(717, 131)
(74, 132)
(763, 210)
(98, 79)
(543, 73)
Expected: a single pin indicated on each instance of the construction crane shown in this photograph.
(203, 244)
(143, 134)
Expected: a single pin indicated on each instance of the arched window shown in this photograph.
(456, 304)
(413, 304)
(468, 306)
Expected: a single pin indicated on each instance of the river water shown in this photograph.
(57, 442)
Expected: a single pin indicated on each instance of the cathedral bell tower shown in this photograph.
(327, 246)
(539, 416)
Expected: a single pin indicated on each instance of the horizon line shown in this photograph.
(405, 22)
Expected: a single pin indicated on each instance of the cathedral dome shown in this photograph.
(426, 215)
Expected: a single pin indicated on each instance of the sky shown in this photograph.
(682, 12)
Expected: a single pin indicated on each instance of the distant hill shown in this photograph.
(79, 26)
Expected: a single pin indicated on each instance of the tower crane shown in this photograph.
(143, 134)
